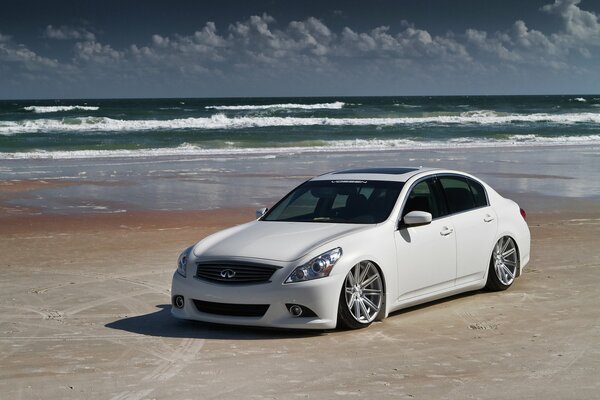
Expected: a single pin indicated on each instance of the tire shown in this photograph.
(361, 297)
(504, 265)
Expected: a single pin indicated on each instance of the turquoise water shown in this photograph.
(141, 127)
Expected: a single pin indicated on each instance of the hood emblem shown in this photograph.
(227, 273)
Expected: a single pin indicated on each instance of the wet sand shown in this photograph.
(85, 314)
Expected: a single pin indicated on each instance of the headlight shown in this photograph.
(318, 267)
(182, 262)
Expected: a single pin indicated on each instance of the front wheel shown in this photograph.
(503, 265)
(361, 298)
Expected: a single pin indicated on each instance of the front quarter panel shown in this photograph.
(376, 245)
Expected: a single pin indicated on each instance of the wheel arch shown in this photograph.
(384, 301)
(377, 265)
(516, 242)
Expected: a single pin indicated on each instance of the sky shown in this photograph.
(184, 48)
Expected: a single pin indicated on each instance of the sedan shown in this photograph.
(349, 247)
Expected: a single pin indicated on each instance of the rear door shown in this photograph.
(475, 226)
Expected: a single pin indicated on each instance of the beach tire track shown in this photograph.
(98, 275)
(101, 301)
(156, 288)
(184, 355)
(132, 395)
(19, 322)
(176, 361)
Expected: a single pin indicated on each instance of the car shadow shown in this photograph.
(162, 324)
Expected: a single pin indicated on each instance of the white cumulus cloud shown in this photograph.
(68, 33)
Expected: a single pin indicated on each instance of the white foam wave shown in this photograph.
(579, 99)
(407, 105)
(327, 106)
(52, 109)
(220, 121)
(332, 146)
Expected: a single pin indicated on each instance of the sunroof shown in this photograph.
(388, 171)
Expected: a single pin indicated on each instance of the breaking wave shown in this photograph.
(325, 146)
(52, 109)
(220, 121)
(324, 106)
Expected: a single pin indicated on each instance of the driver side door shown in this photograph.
(426, 254)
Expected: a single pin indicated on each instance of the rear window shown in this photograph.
(478, 193)
(462, 194)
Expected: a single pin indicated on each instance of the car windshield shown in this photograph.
(338, 201)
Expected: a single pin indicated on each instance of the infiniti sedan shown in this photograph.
(347, 248)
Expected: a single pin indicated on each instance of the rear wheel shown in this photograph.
(504, 264)
(361, 298)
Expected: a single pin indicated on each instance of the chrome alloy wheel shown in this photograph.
(363, 289)
(505, 260)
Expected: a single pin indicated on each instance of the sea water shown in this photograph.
(88, 128)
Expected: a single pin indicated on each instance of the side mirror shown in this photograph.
(416, 218)
(260, 212)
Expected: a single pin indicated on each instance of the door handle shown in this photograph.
(446, 231)
(488, 218)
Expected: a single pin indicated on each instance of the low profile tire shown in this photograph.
(504, 265)
(361, 299)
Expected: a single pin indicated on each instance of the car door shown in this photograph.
(426, 254)
(475, 226)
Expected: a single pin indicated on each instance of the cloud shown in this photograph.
(261, 40)
(580, 35)
(22, 57)
(68, 33)
(260, 51)
(311, 35)
(92, 51)
(578, 23)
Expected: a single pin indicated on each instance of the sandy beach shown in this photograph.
(84, 291)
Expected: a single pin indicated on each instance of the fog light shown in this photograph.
(296, 310)
(178, 301)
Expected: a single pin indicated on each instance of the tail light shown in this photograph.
(523, 213)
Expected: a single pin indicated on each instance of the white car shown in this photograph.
(349, 247)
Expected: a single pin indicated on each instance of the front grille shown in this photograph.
(234, 310)
(235, 273)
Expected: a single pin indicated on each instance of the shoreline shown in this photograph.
(553, 174)
(271, 152)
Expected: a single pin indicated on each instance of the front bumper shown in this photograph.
(319, 295)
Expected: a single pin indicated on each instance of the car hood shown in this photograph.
(278, 241)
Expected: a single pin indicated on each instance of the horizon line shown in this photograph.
(305, 97)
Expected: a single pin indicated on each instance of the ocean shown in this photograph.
(88, 128)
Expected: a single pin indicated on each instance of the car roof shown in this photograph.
(398, 174)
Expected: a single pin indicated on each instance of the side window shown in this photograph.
(458, 194)
(422, 198)
(478, 193)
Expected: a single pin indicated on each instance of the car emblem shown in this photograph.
(227, 273)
